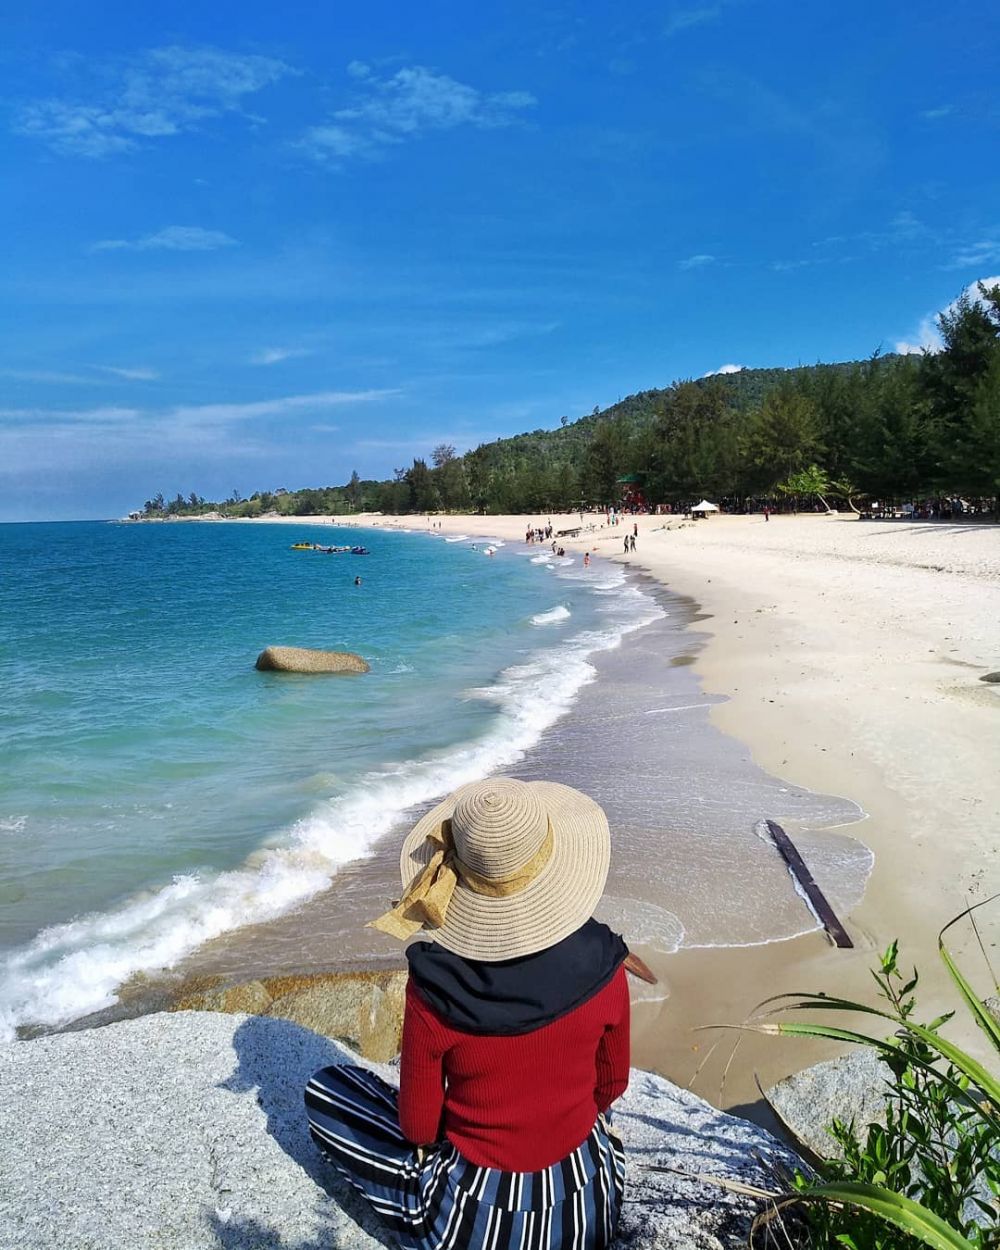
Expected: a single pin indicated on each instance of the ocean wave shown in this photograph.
(460, 538)
(13, 824)
(554, 615)
(543, 559)
(69, 970)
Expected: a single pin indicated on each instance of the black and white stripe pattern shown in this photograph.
(436, 1200)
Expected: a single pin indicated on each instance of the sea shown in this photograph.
(166, 809)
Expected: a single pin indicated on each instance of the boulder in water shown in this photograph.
(991, 677)
(306, 660)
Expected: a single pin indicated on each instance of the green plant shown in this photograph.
(930, 1175)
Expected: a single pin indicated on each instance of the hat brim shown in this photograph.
(551, 907)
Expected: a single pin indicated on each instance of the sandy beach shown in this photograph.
(849, 654)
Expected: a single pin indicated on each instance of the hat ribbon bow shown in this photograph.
(425, 902)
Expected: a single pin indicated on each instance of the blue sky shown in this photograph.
(259, 245)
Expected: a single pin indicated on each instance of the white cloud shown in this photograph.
(195, 415)
(275, 355)
(170, 239)
(697, 261)
(927, 336)
(283, 406)
(413, 101)
(973, 255)
(46, 376)
(130, 375)
(71, 442)
(686, 19)
(163, 92)
(724, 369)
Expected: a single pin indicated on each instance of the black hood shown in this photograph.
(516, 995)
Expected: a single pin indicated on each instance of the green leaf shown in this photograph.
(889, 1050)
(906, 1214)
(979, 1013)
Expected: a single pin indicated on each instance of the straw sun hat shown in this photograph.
(502, 868)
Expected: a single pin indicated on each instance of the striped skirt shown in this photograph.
(433, 1199)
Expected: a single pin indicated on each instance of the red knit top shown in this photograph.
(516, 1103)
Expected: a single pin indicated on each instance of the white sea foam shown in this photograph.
(542, 559)
(460, 538)
(71, 969)
(642, 923)
(13, 824)
(554, 615)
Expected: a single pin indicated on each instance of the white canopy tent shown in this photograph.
(705, 506)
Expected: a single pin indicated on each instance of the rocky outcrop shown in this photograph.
(306, 660)
(186, 1132)
(991, 677)
(364, 1010)
(849, 1088)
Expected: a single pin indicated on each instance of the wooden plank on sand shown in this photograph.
(835, 930)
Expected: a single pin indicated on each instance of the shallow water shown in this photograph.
(683, 799)
(158, 792)
(164, 806)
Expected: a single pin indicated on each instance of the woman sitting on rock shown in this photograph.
(515, 1037)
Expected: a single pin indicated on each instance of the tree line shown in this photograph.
(888, 428)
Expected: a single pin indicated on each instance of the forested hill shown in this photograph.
(893, 426)
(743, 390)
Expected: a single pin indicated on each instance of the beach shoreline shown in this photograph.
(848, 658)
(849, 655)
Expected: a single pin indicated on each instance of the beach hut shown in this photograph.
(704, 508)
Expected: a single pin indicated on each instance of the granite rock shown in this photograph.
(306, 660)
(186, 1131)
(362, 1009)
(852, 1087)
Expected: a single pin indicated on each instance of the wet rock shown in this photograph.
(362, 1009)
(306, 660)
(991, 677)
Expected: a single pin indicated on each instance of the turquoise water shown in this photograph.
(157, 791)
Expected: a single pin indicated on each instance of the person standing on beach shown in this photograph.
(515, 1034)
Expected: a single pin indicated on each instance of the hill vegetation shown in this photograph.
(888, 428)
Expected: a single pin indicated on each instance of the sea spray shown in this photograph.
(553, 616)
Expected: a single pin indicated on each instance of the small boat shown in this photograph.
(302, 546)
(360, 551)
